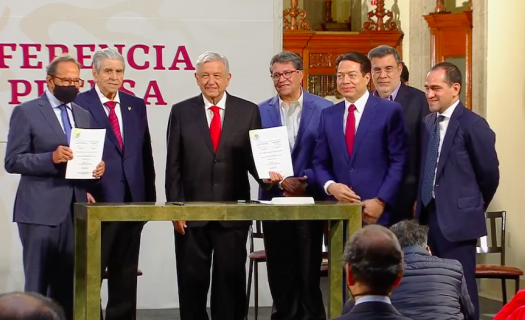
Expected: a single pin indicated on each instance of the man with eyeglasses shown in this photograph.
(362, 148)
(38, 150)
(294, 248)
(386, 74)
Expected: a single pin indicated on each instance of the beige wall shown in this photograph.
(505, 112)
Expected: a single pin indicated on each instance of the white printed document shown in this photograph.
(271, 152)
(87, 146)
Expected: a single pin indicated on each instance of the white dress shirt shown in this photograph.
(443, 125)
(291, 117)
(372, 298)
(358, 113)
(221, 104)
(53, 101)
(118, 109)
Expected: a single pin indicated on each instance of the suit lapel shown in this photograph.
(367, 117)
(100, 116)
(273, 112)
(127, 119)
(230, 117)
(81, 121)
(50, 116)
(306, 116)
(337, 125)
(199, 114)
(452, 129)
(401, 97)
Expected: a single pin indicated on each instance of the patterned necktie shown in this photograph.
(215, 127)
(427, 185)
(65, 121)
(113, 120)
(350, 129)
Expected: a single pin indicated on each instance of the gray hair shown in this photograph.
(410, 233)
(107, 53)
(287, 57)
(212, 56)
(52, 68)
(383, 51)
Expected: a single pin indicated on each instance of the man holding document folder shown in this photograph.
(38, 149)
(294, 248)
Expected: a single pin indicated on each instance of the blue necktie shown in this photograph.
(65, 121)
(427, 185)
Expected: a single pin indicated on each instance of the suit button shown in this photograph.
(215, 161)
(351, 169)
(122, 182)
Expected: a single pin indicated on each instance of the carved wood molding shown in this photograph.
(380, 13)
(295, 18)
(322, 60)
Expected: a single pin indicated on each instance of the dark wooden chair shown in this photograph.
(501, 271)
(255, 257)
(105, 276)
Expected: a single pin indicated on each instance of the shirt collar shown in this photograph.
(103, 98)
(393, 95)
(360, 103)
(450, 110)
(54, 101)
(221, 104)
(300, 100)
(371, 298)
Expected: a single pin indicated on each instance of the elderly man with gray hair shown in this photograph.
(432, 288)
(130, 178)
(38, 150)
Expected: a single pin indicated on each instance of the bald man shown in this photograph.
(29, 306)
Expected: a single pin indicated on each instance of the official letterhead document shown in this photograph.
(87, 146)
(271, 151)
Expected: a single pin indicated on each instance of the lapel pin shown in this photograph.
(129, 108)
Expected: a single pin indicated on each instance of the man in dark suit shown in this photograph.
(38, 150)
(386, 73)
(362, 148)
(374, 267)
(130, 178)
(460, 173)
(209, 157)
(294, 248)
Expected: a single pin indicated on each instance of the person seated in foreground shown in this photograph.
(29, 306)
(431, 287)
(374, 267)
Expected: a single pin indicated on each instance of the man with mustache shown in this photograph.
(362, 148)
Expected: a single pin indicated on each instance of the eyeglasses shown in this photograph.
(286, 74)
(69, 82)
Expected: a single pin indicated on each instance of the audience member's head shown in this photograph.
(405, 75)
(29, 306)
(386, 69)
(373, 262)
(409, 233)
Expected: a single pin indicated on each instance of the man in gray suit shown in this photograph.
(37, 149)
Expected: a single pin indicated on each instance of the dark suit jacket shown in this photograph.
(467, 174)
(303, 151)
(373, 311)
(377, 165)
(193, 171)
(415, 109)
(44, 196)
(133, 166)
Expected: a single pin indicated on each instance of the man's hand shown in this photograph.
(99, 170)
(90, 198)
(62, 154)
(275, 177)
(180, 226)
(343, 193)
(372, 209)
(294, 186)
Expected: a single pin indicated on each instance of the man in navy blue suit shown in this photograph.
(294, 248)
(362, 147)
(130, 175)
(460, 173)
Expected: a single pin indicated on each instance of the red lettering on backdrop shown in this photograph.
(52, 50)
(156, 94)
(26, 56)
(15, 93)
(131, 57)
(181, 51)
(41, 85)
(81, 56)
(158, 54)
(119, 47)
(131, 84)
(91, 83)
(4, 56)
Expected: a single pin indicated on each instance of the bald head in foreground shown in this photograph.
(28, 306)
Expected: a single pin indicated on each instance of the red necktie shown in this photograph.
(350, 129)
(215, 127)
(113, 120)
